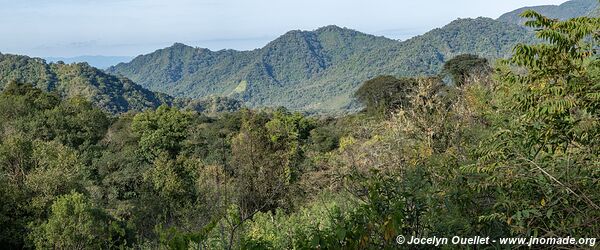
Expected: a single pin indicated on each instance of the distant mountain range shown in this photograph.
(315, 70)
(570, 9)
(101, 62)
(320, 70)
(111, 93)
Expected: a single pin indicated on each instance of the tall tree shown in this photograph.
(542, 159)
(461, 67)
(74, 223)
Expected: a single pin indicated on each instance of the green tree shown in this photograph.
(163, 130)
(15, 158)
(75, 123)
(288, 132)
(383, 94)
(13, 216)
(74, 223)
(541, 162)
(57, 170)
(261, 179)
(461, 67)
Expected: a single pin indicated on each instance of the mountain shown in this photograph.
(314, 70)
(111, 93)
(570, 9)
(101, 62)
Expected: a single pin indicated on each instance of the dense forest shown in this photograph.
(101, 62)
(316, 71)
(110, 93)
(115, 95)
(509, 149)
(567, 10)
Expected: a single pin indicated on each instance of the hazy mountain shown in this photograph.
(111, 93)
(314, 70)
(101, 62)
(570, 9)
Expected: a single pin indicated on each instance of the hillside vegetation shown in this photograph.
(101, 62)
(111, 93)
(509, 152)
(315, 70)
(567, 10)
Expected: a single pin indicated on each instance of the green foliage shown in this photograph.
(168, 177)
(212, 106)
(463, 66)
(160, 131)
(27, 110)
(57, 171)
(110, 93)
(516, 157)
(383, 94)
(13, 219)
(324, 67)
(543, 156)
(75, 123)
(510, 154)
(113, 94)
(324, 138)
(15, 158)
(24, 69)
(331, 224)
(265, 175)
(74, 223)
(557, 93)
(567, 10)
(22, 100)
(287, 133)
(41, 147)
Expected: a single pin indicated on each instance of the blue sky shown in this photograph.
(132, 27)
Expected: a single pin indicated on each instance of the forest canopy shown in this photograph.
(512, 151)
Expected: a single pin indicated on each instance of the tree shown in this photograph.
(385, 93)
(13, 216)
(161, 131)
(15, 158)
(540, 164)
(74, 223)
(260, 172)
(287, 133)
(75, 123)
(57, 170)
(461, 67)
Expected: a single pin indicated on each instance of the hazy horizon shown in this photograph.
(69, 28)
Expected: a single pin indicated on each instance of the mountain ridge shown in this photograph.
(97, 61)
(110, 93)
(314, 70)
(566, 10)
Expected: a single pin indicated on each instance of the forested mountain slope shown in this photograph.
(314, 70)
(111, 93)
(570, 9)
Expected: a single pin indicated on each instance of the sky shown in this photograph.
(67, 28)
